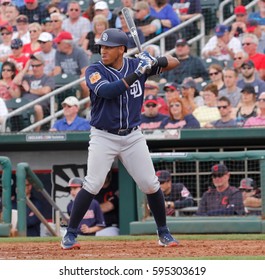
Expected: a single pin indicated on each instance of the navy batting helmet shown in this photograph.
(75, 182)
(113, 37)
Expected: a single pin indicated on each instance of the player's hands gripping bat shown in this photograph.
(147, 55)
(143, 66)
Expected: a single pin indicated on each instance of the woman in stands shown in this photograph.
(8, 89)
(34, 45)
(216, 75)
(179, 117)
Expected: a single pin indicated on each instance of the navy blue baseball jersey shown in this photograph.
(124, 110)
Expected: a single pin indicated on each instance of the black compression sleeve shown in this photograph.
(130, 79)
(162, 61)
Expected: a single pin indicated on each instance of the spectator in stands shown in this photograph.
(70, 59)
(162, 10)
(172, 90)
(150, 25)
(216, 75)
(251, 195)
(190, 66)
(259, 120)
(34, 45)
(124, 28)
(179, 116)
(47, 52)
(61, 5)
(93, 221)
(57, 22)
(3, 5)
(3, 113)
(222, 199)
(250, 78)
(221, 46)
(108, 199)
(34, 10)
(8, 88)
(22, 26)
(177, 196)
(259, 15)
(239, 27)
(75, 24)
(5, 45)
(18, 57)
(53, 8)
(71, 121)
(124, 3)
(151, 118)
(231, 90)
(102, 8)
(209, 111)
(255, 28)
(239, 59)
(46, 25)
(11, 14)
(248, 106)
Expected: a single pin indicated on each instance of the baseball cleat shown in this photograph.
(68, 242)
(166, 239)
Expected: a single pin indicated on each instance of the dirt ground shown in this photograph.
(147, 249)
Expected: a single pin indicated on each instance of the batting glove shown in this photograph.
(143, 66)
(147, 55)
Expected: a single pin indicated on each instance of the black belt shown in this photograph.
(120, 132)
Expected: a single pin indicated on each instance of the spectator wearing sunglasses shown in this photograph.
(221, 199)
(6, 37)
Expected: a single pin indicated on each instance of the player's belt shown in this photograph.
(120, 132)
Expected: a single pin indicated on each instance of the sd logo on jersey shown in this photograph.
(94, 77)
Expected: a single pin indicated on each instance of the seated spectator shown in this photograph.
(3, 111)
(216, 75)
(209, 111)
(172, 90)
(240, 25)
(22, 26)
(259, 120)
(11, 14)
(239, 59)
(226, 120)
(231, 90)
(251, 196)
(5, 45)
(93, 221)
(46, 25)
(108, 199)
(71, 121)
(179, 117)
(177, 196)
(255, 28)
(151, 118)
(221, 46)
(57, 23)
(248, 106)
(221, 199)
(34, 45)
(57, 6)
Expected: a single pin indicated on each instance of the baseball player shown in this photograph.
(116, 86)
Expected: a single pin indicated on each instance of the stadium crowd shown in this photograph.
(41, 42)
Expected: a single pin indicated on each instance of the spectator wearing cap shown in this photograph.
(151, 118)
(57, 23)
(190, 95)
(11, 14)
(221, 199)
(46, 25)
(239, 26)
(172, 90)
(259, 120)
(22, 26)
(71, 121)
(149, 25)
(255, 28)
(177, 195)
(231, 90)
(209, 111)
(77, 25)
(34, 10)
(6, 36)
(248, 105)
(47, 52)
(34, 45)
(226, 113)
(70, 59)
(251, 196)
(221, 46)
(93, 221)
(190, 66)
(179, 116)
(249, 77)
(250, 44)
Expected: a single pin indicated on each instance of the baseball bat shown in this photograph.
(131, 25)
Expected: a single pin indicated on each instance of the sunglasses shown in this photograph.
(6, 70)
(222, 107)
(170, 90)
(6, 4)
(174, 105)
(150, 105)
(55, 20)
(238, 58)
(15, 48)
(137, 11)
(33, 31)
(214, 73)
(74, 10)
(218, 175)
(5, 33)
(246, 44)
(261, 99)
(247, 191)
(36, 65)
(246, 68)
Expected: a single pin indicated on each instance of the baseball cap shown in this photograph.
(150, 98)
(45, 37)
(248, 89)
(247, 184)
(163, 176)
(29, 1)
(219, 169)
(16, 43)
(174, 86)
(251, 25)
(64, 35)
(37, 56)
(45, 20)
(8, 28)
(248, 63)
(22, 18)
(151, 85)
(220, 30)
(181, 42)
(71, 101)
(240, 10)
(101, 5)
(189, 84)
(75, 182)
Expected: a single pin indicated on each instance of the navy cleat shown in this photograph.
(68, 242)
(165, 238)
